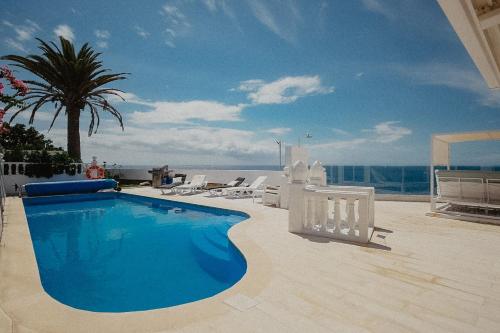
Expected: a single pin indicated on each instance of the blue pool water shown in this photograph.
(116, 252)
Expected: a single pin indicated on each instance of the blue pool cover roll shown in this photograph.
(68, 187)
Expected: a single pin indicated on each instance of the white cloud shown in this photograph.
(279, 130)
(211, 5)
(13, 44)
(387, 132)
(141, 32)
(414, 16)
(39, 116)
(339, 144)
(130, 98)
(165, 112)
(284, 90)
(102, 38)
(215, 6)
(177, 23)
(360, 75)
(265, 16)
(339, 131)
(379, 7)
(23, 33)
(375, 145)
(283, 20)
(174, 145)
(447, 75)
(65, 31)
(168, 112)
(102, 44)
(102, 34)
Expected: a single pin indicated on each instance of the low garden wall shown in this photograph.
(17, 174)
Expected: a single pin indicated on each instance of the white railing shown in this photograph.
(340, 212)
(337, 214)
(17, 174)
(13, 168)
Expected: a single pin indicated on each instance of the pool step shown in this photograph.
(222, 228)
(216, 238)
(201, 242)
(216, 254)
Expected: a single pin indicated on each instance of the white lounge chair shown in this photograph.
(249, 191)
(271, 196)
(468, 188)
(196, 184)
(217, 191)
(169, 188)
(493, 191)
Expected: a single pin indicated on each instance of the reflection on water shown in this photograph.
(125, 254)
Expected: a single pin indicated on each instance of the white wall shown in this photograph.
(22, 180)
(11, 180)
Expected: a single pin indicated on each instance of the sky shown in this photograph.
(215, 82)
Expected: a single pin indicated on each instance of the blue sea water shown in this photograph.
(115, 252)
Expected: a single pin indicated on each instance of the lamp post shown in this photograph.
(279, 142)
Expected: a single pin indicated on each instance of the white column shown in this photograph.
(317, 177)
(296, 201)
(316, 174)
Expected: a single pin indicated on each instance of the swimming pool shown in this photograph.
(117, 252)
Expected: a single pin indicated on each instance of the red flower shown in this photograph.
(20, 86)
(2, 129)
(1, 88)
(4, 71)
(15, 84)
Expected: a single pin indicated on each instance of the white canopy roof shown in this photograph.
(477, 23)
(441, 143)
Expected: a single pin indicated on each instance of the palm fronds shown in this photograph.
(68, 79)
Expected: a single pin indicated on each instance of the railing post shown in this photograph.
(284, 188)
(351, 218)
(323, 212)
(317, 177)
(296, 201)
(336, 214)
(363, 218)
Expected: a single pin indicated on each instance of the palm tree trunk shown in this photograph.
(74, 133)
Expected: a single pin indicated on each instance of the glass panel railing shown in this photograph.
(390, 179)
(385, 179)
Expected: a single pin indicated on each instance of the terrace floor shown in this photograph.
(419, 274)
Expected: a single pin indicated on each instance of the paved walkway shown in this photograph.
(419, 274)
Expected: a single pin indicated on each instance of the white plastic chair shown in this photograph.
(241, 192)
(196, 184)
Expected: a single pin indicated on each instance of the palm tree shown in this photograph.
(69, 80)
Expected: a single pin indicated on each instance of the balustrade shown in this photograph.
(341, 212)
